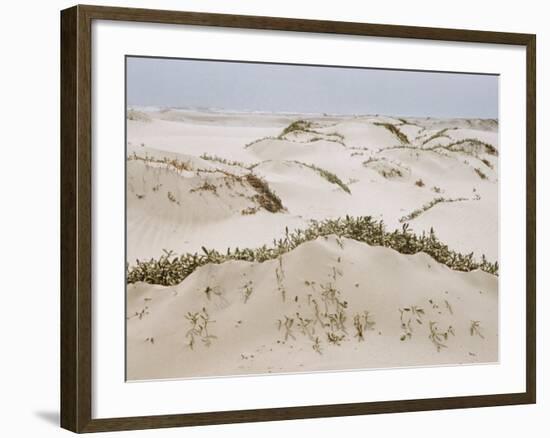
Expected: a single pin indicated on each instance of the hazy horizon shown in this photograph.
(284, 88)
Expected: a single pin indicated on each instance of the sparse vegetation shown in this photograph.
(308, 127)
(141, 314)
(386, 168)
(199, 322)
(172, 198)
(171, 270)
(173, 163)
(489, 148)
(395, 131)
(287, 326)
(415, 213)
(265, 197)
(305, 325)
(420, 183)
(249, 211)
(208, 291)
(439, 134)
(487, 163)
(392, 173)
(317, 346)
(247, 290)
(329, 176)
(334, 307)
(333, 137)
(336, 134)
(475, 329)
(404, 122)
(258, 140)
(205, 187)
(480, 173)
(334, 338)
(363, 323)
(221, 160)
(407, 316)
(470, 146)
(438, 336)
(298, 125)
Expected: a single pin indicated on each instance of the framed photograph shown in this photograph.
(269, 218)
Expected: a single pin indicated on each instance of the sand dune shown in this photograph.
(246, 337)
(201, 181)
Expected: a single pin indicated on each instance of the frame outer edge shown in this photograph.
(68, 231)
(531, 244)
(84, 218)
(76, 220)
(76, 204)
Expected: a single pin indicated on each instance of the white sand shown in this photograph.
(168, 210)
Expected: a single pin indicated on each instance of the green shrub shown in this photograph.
(172, 270)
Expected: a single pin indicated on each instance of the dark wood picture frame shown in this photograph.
(76, 218)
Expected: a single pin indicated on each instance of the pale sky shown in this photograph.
(238, 86)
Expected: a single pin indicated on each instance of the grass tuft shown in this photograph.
(298, 125)
(221, 160)
(205, 187)
(480, 173)
(395, 131)
(487, 163)
(329, 176)
(475, 329)
(199, 322)
(386, 168)
(439, 337)
(462, 146)
(415, 213)
(307, 127)
(438, 134)
(258, 140)
(264, 195)
(173, 163)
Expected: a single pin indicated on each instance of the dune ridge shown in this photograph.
(328, 304)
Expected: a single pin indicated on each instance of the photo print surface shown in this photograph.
(295, 218)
